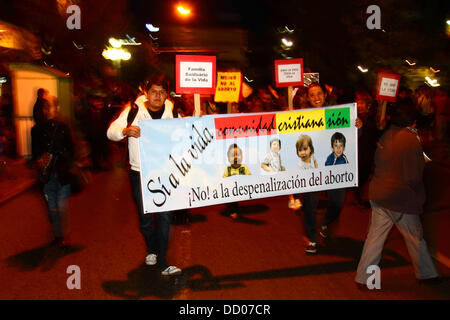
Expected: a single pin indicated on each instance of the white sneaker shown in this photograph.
(170, 271)
(150, 260)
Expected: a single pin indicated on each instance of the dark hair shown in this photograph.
(40, 92)
(232, 147)
(337, 136)
(404, 112)
(317, 84)
(158, 79)
(275, 139)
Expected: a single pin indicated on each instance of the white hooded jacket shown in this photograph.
(115, 129)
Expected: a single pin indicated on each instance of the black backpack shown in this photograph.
(132, 114)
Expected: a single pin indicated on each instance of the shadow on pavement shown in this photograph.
(146, 281)
(184, 217)
(247, 210)
(351, 248)
(44, 257)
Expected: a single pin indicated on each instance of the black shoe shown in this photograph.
(432, 281)
(60, 242)
(57, 242)
(311, 248)
(362, 287)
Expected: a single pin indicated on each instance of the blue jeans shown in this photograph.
(310, 202)
(56, 196)
(156, 235)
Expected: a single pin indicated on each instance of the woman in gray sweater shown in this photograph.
(397, 195)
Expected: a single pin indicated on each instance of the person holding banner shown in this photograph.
(316, 95)
(397, 195)
(153, 104)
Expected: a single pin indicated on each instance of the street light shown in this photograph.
(115, 43)
(432, 82)
(287, 43)
(183, 10)
(116, 54)
(363, 70)
(151, 27)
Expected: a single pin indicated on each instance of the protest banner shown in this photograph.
(186, 163)
(195, 75)
(289, 73)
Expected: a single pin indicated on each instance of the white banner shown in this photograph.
(202, 161)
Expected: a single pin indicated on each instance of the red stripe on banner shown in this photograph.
(245, 126)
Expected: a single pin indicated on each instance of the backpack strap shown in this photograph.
(132, 114)
(130, 118)
(175, 114)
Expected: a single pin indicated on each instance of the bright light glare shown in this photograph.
(151, 27)
(448, 22)
(435, 71)
(287, 43)
(183, 11)
(116, 54)
(362, 69)
(410, 63)
(432, 82)
(115, 43)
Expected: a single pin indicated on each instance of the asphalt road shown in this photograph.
(258, 257)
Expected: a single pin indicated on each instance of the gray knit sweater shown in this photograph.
(397, 183)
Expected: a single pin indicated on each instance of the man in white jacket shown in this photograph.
(151, 105)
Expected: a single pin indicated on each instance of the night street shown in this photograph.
(259, 257)
(303, 148)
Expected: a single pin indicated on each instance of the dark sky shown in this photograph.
(204, 12)
(331, 36)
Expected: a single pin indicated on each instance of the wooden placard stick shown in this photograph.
(291, 98)
(197, 105)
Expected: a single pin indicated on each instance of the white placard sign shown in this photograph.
(196, 74)
(388, 87)
(289, 73)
